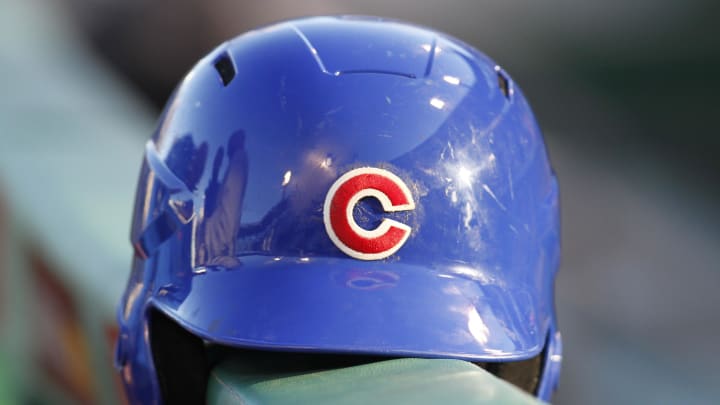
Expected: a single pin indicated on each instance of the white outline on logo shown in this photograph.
(387, 206)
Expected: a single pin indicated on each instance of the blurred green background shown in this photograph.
(626, 93)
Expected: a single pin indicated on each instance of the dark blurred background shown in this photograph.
(626, 93)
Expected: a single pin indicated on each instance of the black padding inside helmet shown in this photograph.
(180, 361)
(279, 362)
(524, 374)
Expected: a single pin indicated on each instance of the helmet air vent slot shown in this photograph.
(503, 82)
(225, 68)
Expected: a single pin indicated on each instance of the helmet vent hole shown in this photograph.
(504, 84)
(225, 69)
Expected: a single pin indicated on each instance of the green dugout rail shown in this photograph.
(401, 381)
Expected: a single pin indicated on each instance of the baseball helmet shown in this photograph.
(344, 186)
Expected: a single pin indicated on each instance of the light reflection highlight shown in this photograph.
(286, 178)
(477, 327)
(132, 296)
(465, 177)
(437, 103)
(451, 79)
(471, 273)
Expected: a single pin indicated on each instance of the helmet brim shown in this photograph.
(341, 305)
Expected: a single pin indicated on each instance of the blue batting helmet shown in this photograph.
(342, 185)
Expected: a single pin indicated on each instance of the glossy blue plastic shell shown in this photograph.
(229, 227)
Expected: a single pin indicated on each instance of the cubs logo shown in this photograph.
(355, 241)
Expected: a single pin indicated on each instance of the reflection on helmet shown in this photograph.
(343, 185)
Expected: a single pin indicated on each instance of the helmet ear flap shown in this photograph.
(180, 361)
